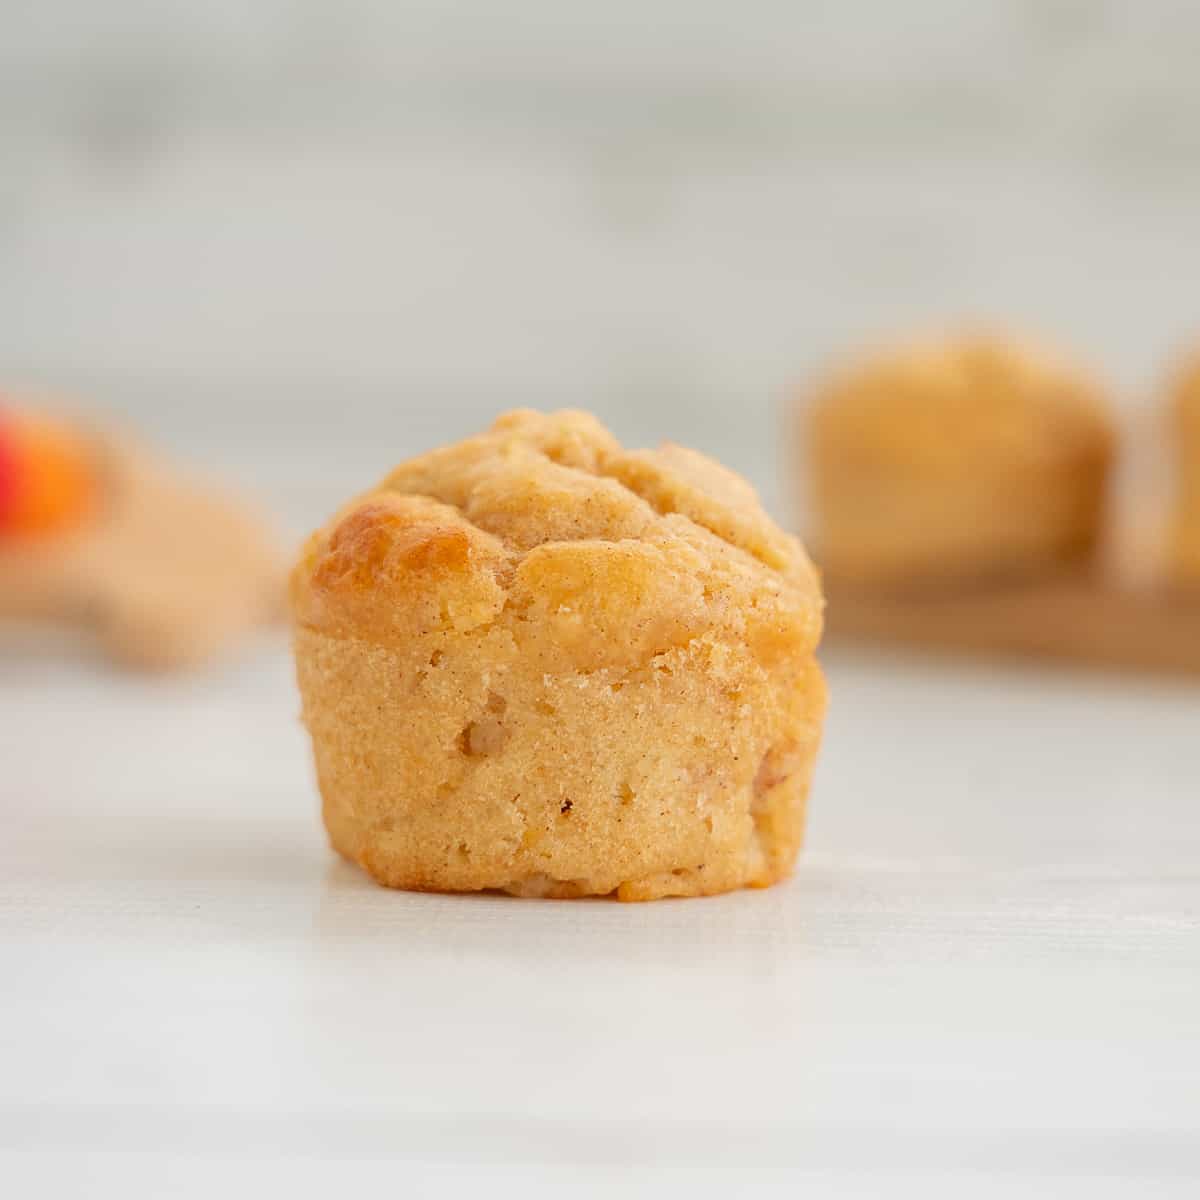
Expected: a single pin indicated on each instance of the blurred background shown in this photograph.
(302, 240)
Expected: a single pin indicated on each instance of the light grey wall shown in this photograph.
(306, 239)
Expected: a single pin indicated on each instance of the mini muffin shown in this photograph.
(1185, 419)
(536, 662)
(957, 459)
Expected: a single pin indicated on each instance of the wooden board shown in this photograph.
(1081, 618)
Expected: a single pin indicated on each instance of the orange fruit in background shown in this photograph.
(47, 476)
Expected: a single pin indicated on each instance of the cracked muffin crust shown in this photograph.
(534, 661)
(970, 456)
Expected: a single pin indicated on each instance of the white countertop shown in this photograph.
(985, 974)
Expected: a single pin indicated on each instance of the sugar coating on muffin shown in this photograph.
(959, 457)
(534, 661)
(1185, 440)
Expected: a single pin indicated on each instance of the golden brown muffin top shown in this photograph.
(545, 518)
(937, 405)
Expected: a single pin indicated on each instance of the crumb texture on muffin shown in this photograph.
(537, 662)
(959, 457)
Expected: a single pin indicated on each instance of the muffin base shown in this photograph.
(686, 776)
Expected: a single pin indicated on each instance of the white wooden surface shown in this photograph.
(985, 974)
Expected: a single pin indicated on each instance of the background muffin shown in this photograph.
(1185, 440)
(965, 457)
(534, 661)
